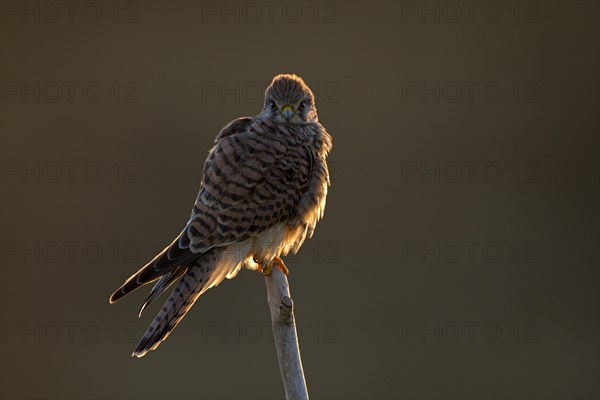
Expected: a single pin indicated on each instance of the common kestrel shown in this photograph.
(262, 192)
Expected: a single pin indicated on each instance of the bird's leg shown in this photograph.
(266, 271)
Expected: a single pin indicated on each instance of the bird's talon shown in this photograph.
(279, 262)
(266, 271)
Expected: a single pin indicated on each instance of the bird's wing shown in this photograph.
(253, 179)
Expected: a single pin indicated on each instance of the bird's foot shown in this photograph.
(279, 262)
(266, 271)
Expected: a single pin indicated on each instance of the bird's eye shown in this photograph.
(273, 106)
(302, 105)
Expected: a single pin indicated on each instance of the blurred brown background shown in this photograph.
(459, 253)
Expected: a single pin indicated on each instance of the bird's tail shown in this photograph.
(208, 271)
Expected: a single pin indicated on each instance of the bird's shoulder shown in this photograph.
(236, 126)
(257, 126)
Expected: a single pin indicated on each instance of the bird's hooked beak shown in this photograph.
(287, 111)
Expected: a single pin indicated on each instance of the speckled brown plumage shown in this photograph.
(263, 190)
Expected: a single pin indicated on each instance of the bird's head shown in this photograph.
(288, 100)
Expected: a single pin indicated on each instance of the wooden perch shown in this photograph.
(285, 336)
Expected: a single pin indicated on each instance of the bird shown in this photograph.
(263, 189)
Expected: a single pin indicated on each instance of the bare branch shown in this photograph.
(285, 335)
